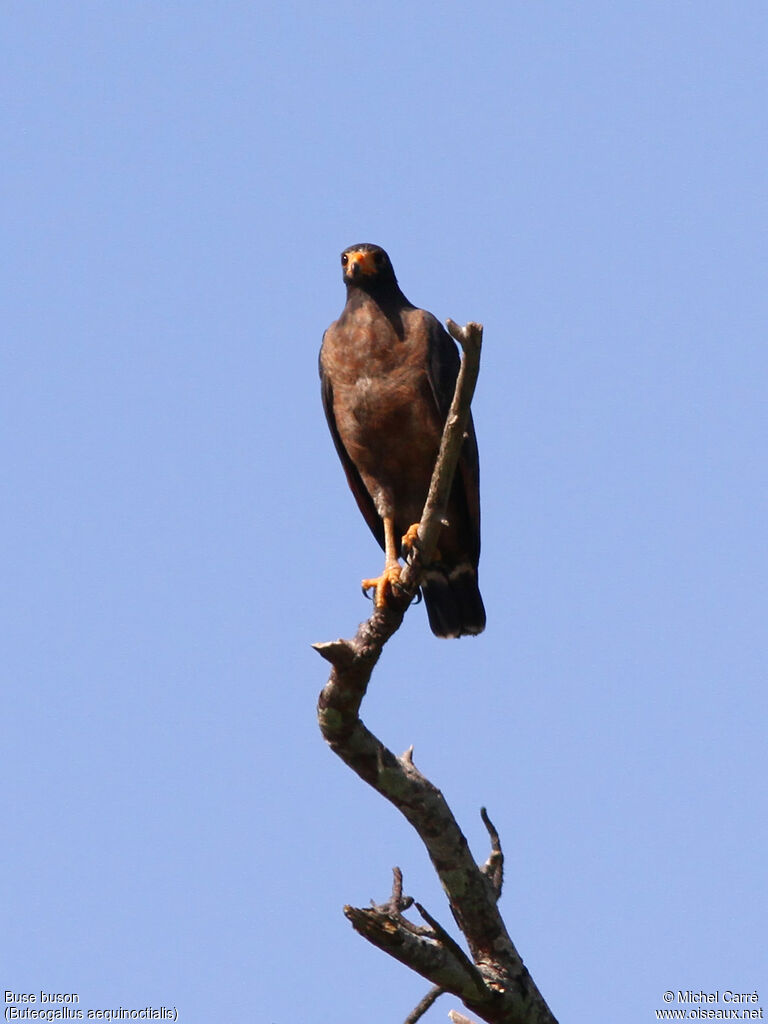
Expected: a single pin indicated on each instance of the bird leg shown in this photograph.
(384, 584)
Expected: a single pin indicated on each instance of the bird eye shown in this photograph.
(344, 260)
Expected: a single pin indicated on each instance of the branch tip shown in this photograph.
(338, 652)
(397, 889)
(491, 828)
(493, 869)
(458, 1018)
(470, 336)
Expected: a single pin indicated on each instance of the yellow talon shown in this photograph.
(384, 584)
(410, 539)
(410, 542)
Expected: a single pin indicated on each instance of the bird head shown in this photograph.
(367, 266)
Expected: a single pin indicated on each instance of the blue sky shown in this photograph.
(588, 180)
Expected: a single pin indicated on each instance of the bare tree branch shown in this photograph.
(453, 947)
(494, 983)
(421, 1008)
(493, 869)
(397, 901)
(471, 339)
(459, 1018)
(425, 955)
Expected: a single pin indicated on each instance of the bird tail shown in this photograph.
(454, 604)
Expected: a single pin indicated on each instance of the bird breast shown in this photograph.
(382, 405)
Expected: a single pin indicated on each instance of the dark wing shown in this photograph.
(356, 485)
(443, 370)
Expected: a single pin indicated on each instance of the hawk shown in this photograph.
(388, 373)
